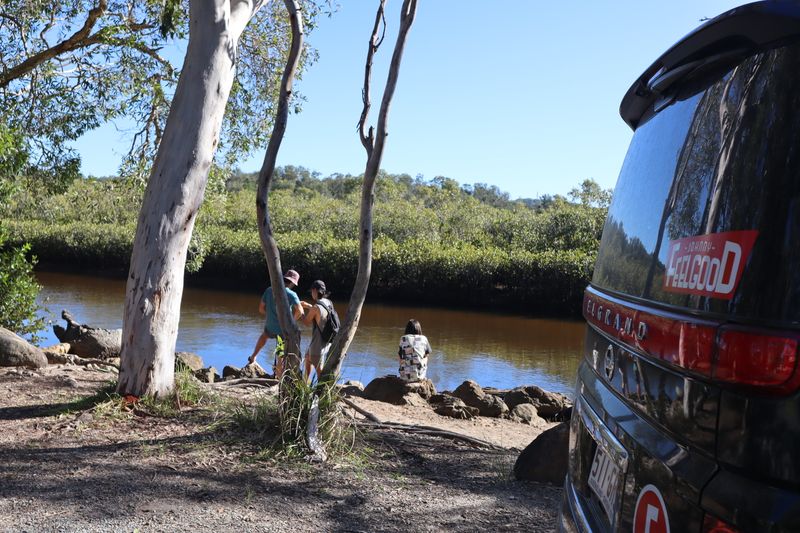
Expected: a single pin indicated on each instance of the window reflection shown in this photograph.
(726, 159)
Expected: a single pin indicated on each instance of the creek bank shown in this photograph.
(544, 457)
(518, 416)
(70, 467)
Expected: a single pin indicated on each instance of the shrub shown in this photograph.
(18, 290)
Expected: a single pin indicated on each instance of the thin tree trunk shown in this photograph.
(374, 146)
(289, 328)
(174, 194)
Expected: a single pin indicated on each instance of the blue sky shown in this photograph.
(521, 94)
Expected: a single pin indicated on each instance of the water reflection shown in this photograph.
(495, 350)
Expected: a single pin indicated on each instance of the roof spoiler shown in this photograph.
(708, 52)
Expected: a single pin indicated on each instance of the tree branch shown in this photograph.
(367, 140)
(270, 246)
(76, 40)
(342, 341)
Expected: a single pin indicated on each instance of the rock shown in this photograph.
(231, 372)
(352, 388)
(55, 358)
(453, 407)
(470, 393)
(16, 351)
(545, 458)
(61, 347)
(392, 389)
(415, 400)
(516, 397)
(87, 341)
(473, 395)
(253, 370)
(423, 387)
(525, 413)
(188, 360)
(67, 381)
(208, 375)
(492, 406)
(550, 405)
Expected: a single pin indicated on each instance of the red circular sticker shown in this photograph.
(651, 513)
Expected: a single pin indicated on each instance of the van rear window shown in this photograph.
(706, 212)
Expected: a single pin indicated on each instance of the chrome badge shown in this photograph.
(609, 362)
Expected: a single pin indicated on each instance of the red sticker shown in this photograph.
(651, 513)
(708, 265)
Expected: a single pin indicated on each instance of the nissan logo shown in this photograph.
(609, 362)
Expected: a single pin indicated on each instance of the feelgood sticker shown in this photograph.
(708, 265)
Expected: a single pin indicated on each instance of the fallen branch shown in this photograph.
(374, 421)
(242, 382)
(362, 412)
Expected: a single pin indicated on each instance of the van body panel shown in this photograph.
(687, 399)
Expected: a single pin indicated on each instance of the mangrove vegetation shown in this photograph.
(436, 242)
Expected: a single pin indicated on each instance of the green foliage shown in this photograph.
(296, 399)
(18, 291)
(117, 69)
(434, 242)
(18, 287)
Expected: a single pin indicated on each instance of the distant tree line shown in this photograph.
(436, 241)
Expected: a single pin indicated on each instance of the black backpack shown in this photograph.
(332, 325)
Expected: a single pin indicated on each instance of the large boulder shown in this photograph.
(549, 405)
(545, 458)
(446, 405)
(87, 341)
(473, 395)
(525, 413)
(188, 360)
(16, 351)
(392, 389)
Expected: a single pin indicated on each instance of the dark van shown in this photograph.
(687, 403)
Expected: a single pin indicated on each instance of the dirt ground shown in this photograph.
(68, 465)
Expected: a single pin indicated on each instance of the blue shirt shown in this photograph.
(272, 326)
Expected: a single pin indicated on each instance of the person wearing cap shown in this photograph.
(316, 316)
(272, 327)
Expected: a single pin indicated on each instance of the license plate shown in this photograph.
(604, 479)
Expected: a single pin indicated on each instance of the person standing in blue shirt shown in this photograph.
(272, 327)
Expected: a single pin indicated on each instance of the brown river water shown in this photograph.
(495, 350)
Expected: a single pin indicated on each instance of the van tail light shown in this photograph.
(736, 355)
(712, 524)
(755, 359)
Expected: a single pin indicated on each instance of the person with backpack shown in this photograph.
(324, 322)
(413, 353)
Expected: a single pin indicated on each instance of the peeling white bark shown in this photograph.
(174, 194)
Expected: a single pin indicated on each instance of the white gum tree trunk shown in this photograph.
(174, 194)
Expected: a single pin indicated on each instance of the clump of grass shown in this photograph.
(297, 402)
(188, 392)
(255, 417)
